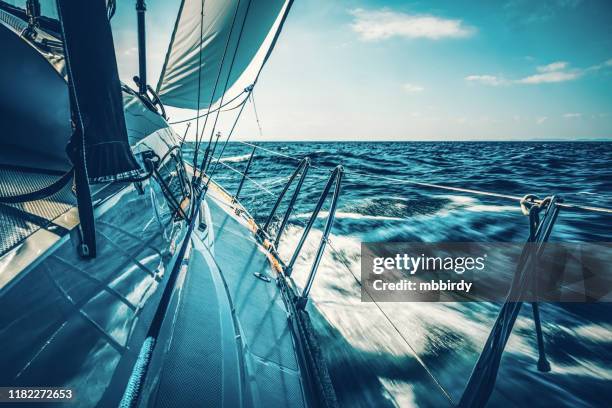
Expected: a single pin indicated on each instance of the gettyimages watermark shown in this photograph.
(476, 271)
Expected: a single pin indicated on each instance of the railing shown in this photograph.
(299, 174)
(482, 380)
(244, 175)
(303, 169)
(336, 178)
(481, 383)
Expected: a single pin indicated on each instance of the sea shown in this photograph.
(422, 354)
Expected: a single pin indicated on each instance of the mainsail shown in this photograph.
(213, 43)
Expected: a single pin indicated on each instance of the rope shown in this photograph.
(214, 110)
(256, 115)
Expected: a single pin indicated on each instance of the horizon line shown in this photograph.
(268, 140)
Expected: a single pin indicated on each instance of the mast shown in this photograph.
(141, 8)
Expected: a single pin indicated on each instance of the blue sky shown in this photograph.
(403, 70)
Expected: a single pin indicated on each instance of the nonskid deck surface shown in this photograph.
(19, 221)
(231, 343)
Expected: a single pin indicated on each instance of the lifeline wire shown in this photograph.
(386, 316)
(570, 206)
(416, 356)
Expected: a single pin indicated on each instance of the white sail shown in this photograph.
(232, 31)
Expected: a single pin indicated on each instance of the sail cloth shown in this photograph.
(95, 90)
(189, 62)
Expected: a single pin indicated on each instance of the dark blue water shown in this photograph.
(371, 364)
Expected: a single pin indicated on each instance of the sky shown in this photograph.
(419, 70)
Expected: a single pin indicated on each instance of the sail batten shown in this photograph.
(187, 60)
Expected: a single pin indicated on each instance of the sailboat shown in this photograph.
(128, 276)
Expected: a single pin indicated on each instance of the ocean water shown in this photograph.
(371, 350)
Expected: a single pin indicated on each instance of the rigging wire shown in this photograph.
(197, 129)
(227, 139)
(203, 165)
(481, 192)
(270, 151)
(336, 252)
(343, 261)
(256, 115)
(220, 108)
(212, 95)
(267, 56)
(184, 136)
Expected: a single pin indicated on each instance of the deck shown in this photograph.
(230, 342)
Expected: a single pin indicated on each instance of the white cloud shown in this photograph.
(558, 71)
(373, 25)
(555, 66)
(491, 80)
(412, 88)
(572, 115)
(603, 65)
(541, 120)
(549, 77)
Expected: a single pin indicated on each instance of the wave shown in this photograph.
(351, 215)
(356, 337)
(236, 159)
(363, 350)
